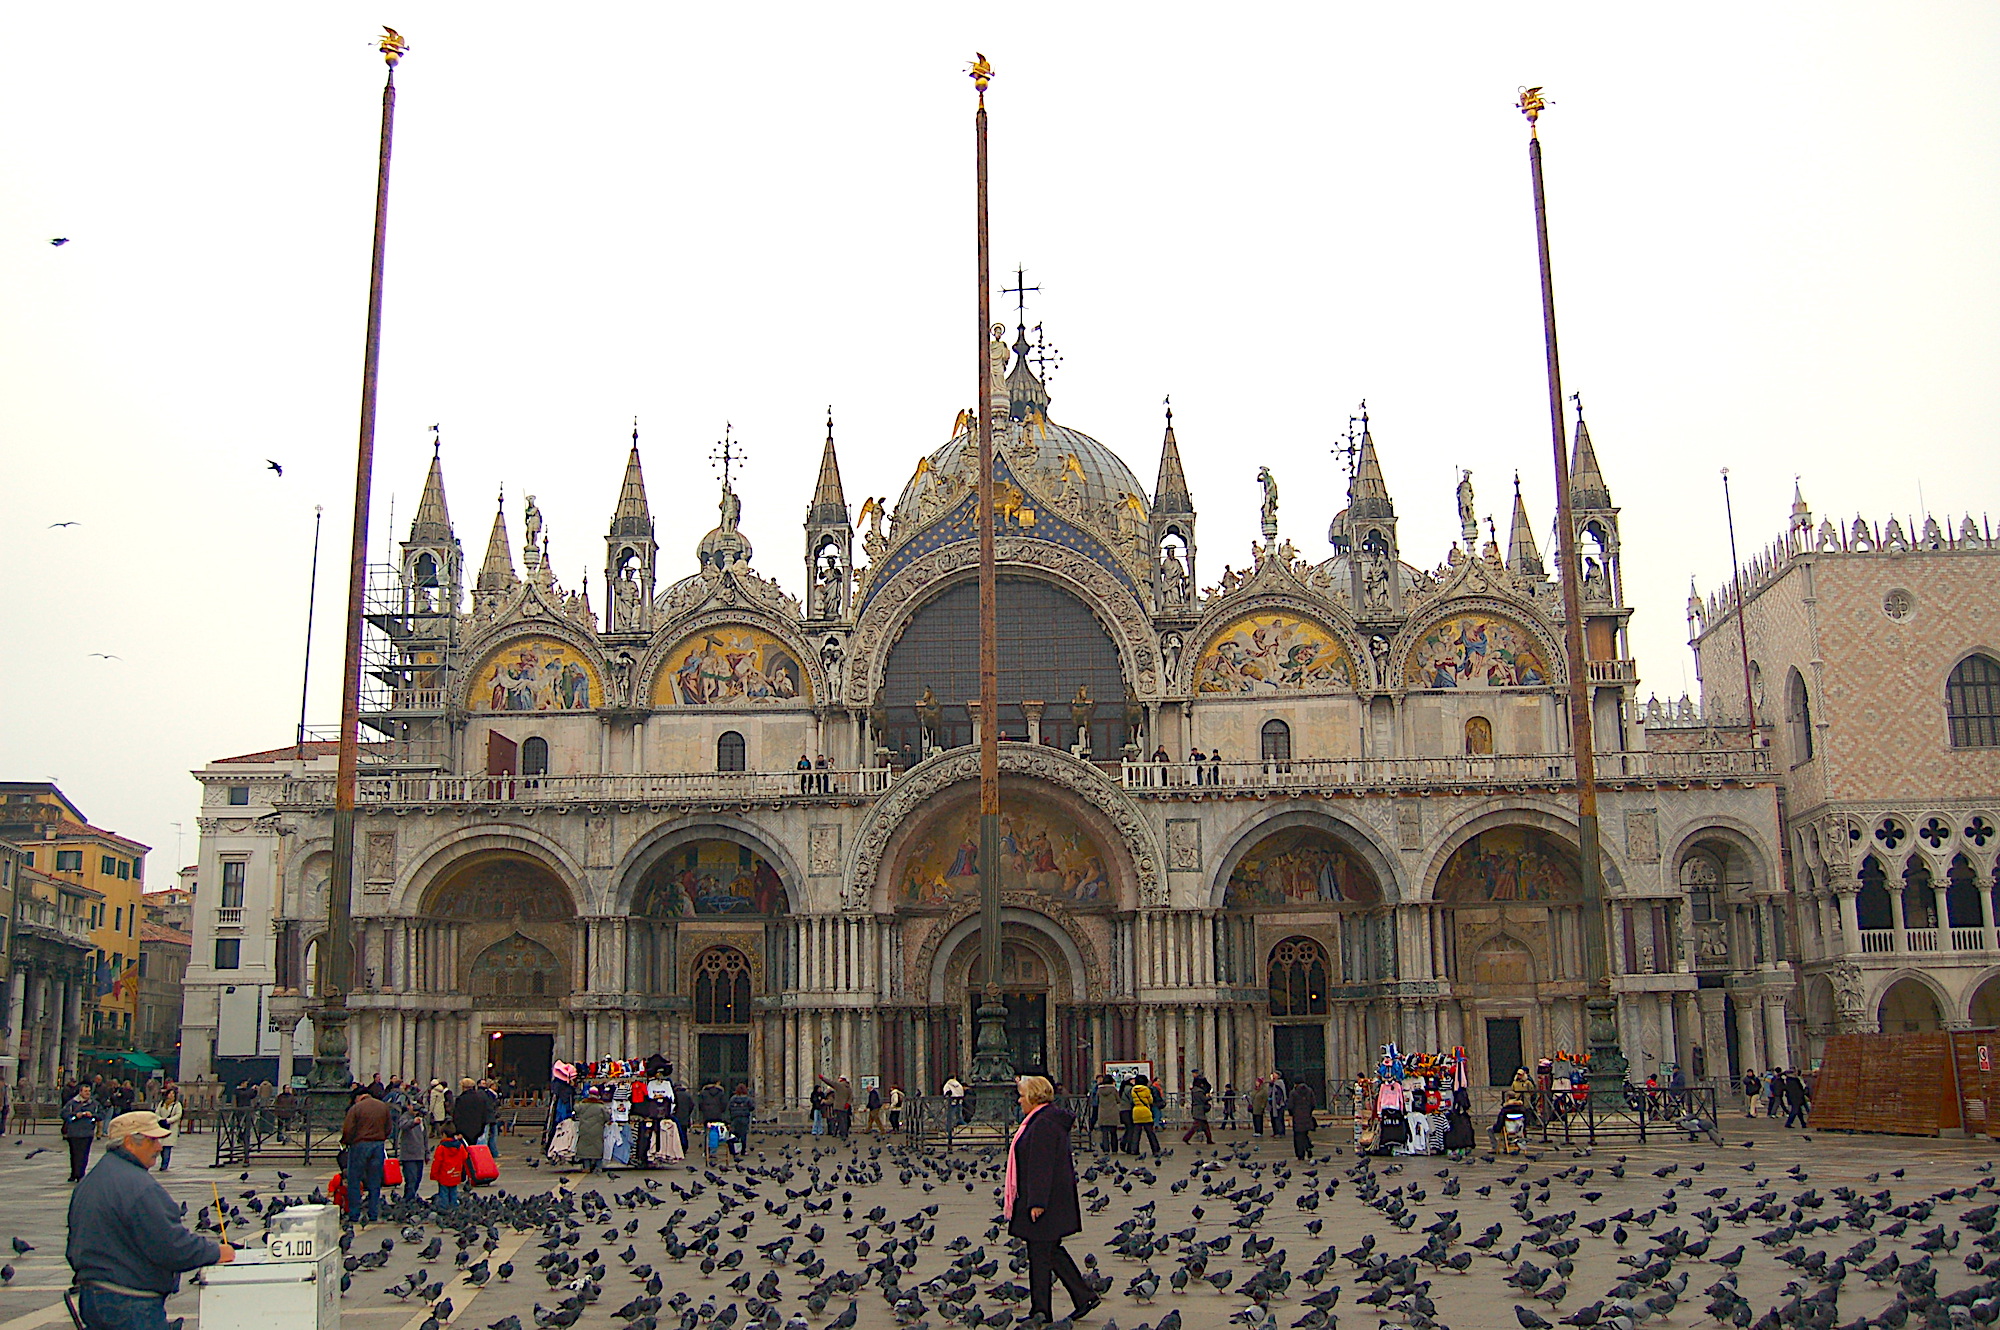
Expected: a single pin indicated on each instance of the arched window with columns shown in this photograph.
(1298, 976)
(722, 987)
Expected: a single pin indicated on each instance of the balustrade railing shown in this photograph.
(1493, 769)
(644, 787)
(1968, 939)
(1921, 939)
(1875, 941)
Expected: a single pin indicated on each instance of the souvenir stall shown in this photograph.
(646, 1110)
(1420, 1105)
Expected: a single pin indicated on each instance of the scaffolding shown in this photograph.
(409, 660)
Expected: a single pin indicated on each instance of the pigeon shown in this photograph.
(1530, 1319)
(281, 471)
(60, 241)
(22, 1248)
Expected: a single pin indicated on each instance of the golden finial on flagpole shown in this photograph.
(393, 46)
(1532, 105)
(982, 74)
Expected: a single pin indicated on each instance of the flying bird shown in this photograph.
(105, 655)
(60, 241)
(54, 525)
(274, 466)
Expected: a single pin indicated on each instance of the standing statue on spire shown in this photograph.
(532, 520)
(1468, 518)
(1270, 505)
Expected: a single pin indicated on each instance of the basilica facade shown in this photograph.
(713, 819)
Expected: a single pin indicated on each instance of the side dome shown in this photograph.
(1070, 468)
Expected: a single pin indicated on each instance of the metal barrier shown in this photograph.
(246, 1136)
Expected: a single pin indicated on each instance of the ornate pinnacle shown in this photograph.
(981, 72)
(393, 46)
(1532, 104)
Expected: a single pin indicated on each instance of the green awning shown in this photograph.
(141, 1061)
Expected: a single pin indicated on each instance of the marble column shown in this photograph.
(1774, 1030)
(1850, 920)
(10, 1041)
(72, 1020)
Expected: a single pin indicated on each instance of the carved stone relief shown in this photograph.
(823, 849)
(1642, 835)
(1183, 845)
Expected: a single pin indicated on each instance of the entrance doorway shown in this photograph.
(521, 1060)
(723, 1059)
(1503, 1049)
(1027, 1031)
(1301, 1056)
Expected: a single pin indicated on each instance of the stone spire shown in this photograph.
(1027, 395)
(433, 520)
(1522, 556)
(829, 502)
(1586, 483)
(633, 517)
(1802, 519)
(1368, 492)
(497, 573)
(1170, 491)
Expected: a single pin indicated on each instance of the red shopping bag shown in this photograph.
(485, 1168)
(392, 1172)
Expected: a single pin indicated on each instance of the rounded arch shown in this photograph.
(891, 606)
(768, 656)
(1982, 1004)
(1739, 838)
(1540, 815)
(1911, 1003)
(1083, 791)
(657, 845)
(1971, 690)
(517, 967)
(1298, 975)
(1504, 965)
(935, 961)
(497, 885)
(1478, 643)
(722, 983)
(438, 858)
(1262, 827)
(541, 665)
(1269, 645)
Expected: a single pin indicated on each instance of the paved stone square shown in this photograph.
(845, 1184)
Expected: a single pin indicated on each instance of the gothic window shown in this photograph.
(1703, 883)
(1798, 717)
(1961, 897)
(1298, 978)
(1972, 702)
(1919, 903)
(1478, 737)
(1276, 742)
(427, 570)
(1871, 905)
(729, 755)
(721, 987)
(535, 757)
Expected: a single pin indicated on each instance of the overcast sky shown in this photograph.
(1773, 229)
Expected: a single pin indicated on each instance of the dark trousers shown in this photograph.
(1198, 1125)
(647, 1133)
(1132, 1134)
(364, 1174)
(1277, 1121)
(1047, 1262)
(1795, 1113)
(1302, 1143)
(1110, 1139)
(102, 1309)
(79, 1160)
(413, 1179)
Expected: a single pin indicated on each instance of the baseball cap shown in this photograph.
(139, 1123)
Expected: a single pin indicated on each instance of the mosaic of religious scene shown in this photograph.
(1300, 866)
(535, 674)
(502, 889)
(1040, 850)
(1510, 864)
(728, 667)
(712, 877)
(1273, 653)
(1476, 651)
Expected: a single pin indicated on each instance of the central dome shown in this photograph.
(1038, 451)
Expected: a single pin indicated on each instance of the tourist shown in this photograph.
(1774, 1091)
(1141, 1098)
(127, 1247)
(471, 1111)
(1797, 1101)
(438, 1102)
(172, 1110)
(592, 1117)
(1278, 1092)
(6, 1102)
(818, 1102)
(1229, 1105)
(805, 766)
(1105, 1112)
(413, 1151)
(1040, 1200)
(875, 1109)
(364, 1134)
(451, 1165)
(1300, 1101)
(840, 1106)
(954, 1095)
(1198, 1098)
(1752, 1087)
(742, 1106)
(1260, 1101)
(80, 1116)
(1195, 759)
(895, 1108)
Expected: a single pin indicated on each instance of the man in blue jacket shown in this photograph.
(127, 1246)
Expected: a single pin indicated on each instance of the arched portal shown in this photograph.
(697, 885)
(1985, 1007)
(1909, 1008)
(1035, 981)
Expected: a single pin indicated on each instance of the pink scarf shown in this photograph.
(1012, 1189)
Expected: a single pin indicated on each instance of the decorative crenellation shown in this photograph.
(1860, 538)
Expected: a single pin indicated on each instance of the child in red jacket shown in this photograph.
(450, 1164)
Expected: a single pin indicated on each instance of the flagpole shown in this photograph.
(336, 949)
(990, 1063)
(1607, 1060)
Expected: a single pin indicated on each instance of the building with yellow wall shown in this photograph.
(65, 845)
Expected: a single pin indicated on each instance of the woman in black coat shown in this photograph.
(1042, 1208)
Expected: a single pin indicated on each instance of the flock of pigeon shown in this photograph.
(781, 1246)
